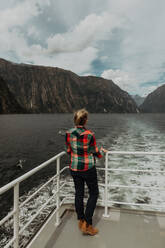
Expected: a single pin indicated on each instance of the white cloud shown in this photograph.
(80, 43)
(143, 48)
(33, 32)
(20, 14)
(88, 31)
(11, 22)
(79, 62)
(123, 79)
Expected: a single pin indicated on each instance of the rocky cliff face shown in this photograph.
(40, 89)
(105, 96)
(155, 101)
(8, 103)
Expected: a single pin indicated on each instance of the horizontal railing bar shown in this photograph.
(66, 167)
(68, 183)
(131, 186)
(85, 200)
(10, 243)
(44, 185)
(69, 198)
(36, 192)
(129, 170)
(30, 197)
(102, 184)
(135, 153)
(72, 183)
(29, 222)
(62, 201)
(134, 187)
(7, 217)
(136, 204)
(30, 173)
(122, 203)
(118, 202)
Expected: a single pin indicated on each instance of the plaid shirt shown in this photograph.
(81, 145)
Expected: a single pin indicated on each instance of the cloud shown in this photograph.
(123, 79)
(13, 23)
(33, 31)
(88, 31)
(79, 62)
(80, 43)
(21, 13)
(143, 47)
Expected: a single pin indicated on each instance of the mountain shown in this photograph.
(8, 103)
(41, 89)
(138, 99)
(155, 101)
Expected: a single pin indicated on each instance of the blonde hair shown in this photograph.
(80, 117)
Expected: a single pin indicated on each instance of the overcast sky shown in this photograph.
(122, 40)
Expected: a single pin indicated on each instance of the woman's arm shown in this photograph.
(104, 150)
(93, 147)
(67, 142)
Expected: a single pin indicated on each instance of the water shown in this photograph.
(28, 140)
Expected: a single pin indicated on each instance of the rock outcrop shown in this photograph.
(41, 89)
(155, 101)
(8, 103)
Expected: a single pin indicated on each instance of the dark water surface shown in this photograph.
(36, 138)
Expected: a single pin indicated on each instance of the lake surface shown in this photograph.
(36, 138)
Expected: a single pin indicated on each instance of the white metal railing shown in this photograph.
(107, 202)
(15, 184)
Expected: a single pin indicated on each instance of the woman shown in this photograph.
(82, 148)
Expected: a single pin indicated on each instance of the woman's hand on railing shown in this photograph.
(104, 150)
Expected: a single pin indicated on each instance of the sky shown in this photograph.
(122, 40)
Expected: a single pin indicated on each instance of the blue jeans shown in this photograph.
(90, 178)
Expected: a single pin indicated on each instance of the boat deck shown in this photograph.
(122, 229)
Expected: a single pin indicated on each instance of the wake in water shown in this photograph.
(138, 137)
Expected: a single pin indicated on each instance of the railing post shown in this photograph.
(16, 215)
(58, 193)
(106, 187)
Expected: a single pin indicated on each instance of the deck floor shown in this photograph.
(123, 229)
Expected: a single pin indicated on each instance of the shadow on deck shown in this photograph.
(123, 229)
